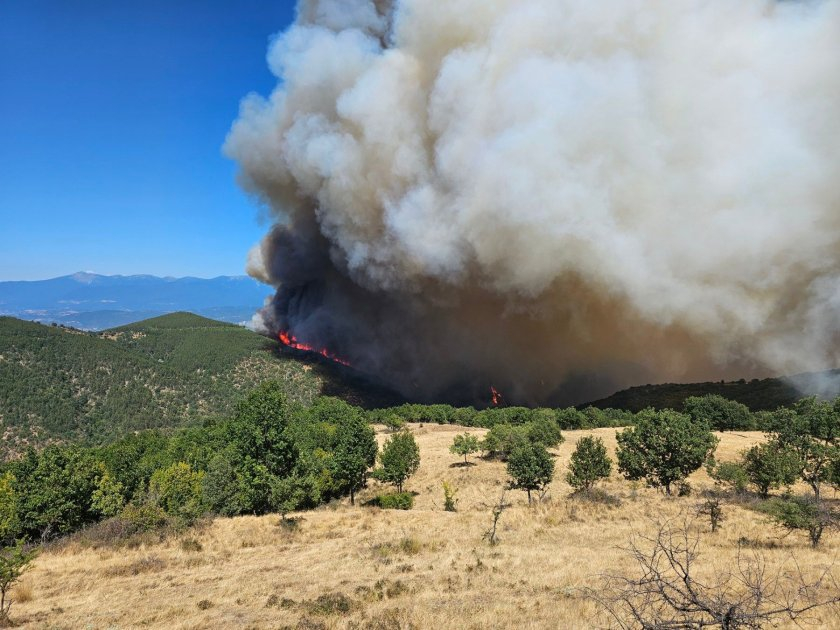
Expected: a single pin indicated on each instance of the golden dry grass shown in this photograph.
(363, 567)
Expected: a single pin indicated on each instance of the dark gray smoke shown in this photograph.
(558, 197)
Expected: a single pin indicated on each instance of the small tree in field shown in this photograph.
(354, 454)
(464, 444)
(530, 467)
(589, 463)
(664, 448)
(399, 459)
(769, 466)
(803, 514)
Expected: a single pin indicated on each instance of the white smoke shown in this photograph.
(651, 187)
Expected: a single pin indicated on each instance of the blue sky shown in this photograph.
(112, 117)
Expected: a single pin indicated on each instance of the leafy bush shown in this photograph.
(732, 476)
(449, 500)
(177, 490)
(803, 514)
(769, 466)
(720, 413)
(395, 501)
(464, 444)
(531, 468)
(502, 439)
(589, 463)
(664, 448)
(544, 430)
(399, 459)
(144, 517)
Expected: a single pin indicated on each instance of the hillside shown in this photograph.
(361, 567)
(95, 302)
(58, 384)
(758, 394)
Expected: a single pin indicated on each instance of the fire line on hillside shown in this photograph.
(290, 341)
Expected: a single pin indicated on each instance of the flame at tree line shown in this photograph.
(289, 340)
(496, 396)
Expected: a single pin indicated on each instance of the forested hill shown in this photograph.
(59, 383)
(758, 394)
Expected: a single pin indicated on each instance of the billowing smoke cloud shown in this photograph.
(558, 197)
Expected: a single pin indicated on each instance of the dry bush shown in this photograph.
(669, 591)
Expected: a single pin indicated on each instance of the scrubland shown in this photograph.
(344, 566)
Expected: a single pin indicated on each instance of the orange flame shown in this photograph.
(289, 340)
(495, 395)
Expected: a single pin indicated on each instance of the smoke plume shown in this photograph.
(556, 197)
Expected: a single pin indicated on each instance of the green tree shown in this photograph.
(292, 493)
(544, 430)
(393, 422)
(770, 466)
(354, 455)
(731, 476)
(54, 490)
(531, 468)
(720, 413)
(9, 524)
(811, 429)
(108, 498)
(589, 463)
(177, 489)
(14, 561)
(464, 444)
(399, 459)
(664, 448)
(804, 514)
(222, 486)
(502, 439)
(258, 430)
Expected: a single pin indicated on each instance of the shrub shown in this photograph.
(292, 493)
(177, 490)
(502, 439)
(449, 500)
(530, 467)
(395, 501)
(729, 475)
(145, 517)
(464, 444)
(545, 431)
(108, 498)
(664, 448)
(713, 509)
(589, 463)
(393, 422)
(769, 466)
(399, 459)
(804, 514)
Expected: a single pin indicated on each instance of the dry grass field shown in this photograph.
(361, 567)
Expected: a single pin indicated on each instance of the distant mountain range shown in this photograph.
(95, 302)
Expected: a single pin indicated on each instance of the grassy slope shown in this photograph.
(58, 384)
(420, 569)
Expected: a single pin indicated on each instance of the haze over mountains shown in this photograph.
(95, 302)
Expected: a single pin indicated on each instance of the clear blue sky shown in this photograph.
(112, 117)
